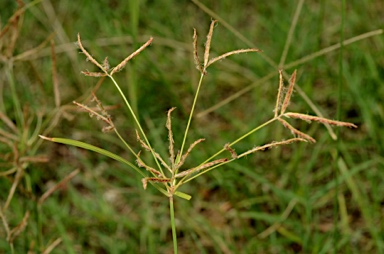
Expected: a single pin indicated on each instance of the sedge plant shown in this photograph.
(168, 175)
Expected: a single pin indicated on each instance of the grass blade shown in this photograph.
(93, 148)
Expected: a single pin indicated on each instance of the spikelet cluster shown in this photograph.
(282, 102)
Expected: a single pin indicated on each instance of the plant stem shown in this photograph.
(190, 118)
(134, 20)
(136, 120)
(172, 214)
(243, 137)
(188, 178)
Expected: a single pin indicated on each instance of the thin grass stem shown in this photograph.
(187, 178)
(242, 137)
(332, 48)
(125, 143)
(173, 224)
(136, 121)
(207, 170)
(290, 33)
(190, 118)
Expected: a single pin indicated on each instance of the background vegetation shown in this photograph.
(303, 198)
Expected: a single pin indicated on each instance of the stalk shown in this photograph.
(188, 178)
(190, 117)
(134, 20)
(243, 137)
(136, 120)
(172, 214)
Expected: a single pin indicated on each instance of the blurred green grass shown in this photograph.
(279, 201)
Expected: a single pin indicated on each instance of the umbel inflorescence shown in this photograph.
(168, 174)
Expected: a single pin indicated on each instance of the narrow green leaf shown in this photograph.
(183, 195)
(97, 150)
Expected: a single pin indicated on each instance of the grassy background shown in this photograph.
(322, 198)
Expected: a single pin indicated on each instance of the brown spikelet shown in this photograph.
(279, 93)
(141, 164)
(94, 74)
(146, 147)
(145, 183)
(170, 136)
(154, 179)
(106, 64)
(296, 132)
(101, 107)
(92, 113)
(322, 120)
(121, 65)
(234, 52)
(208, 44)
(108, 129)
(289, 93)
(142, 143)
(195, 53)
(89, 57)
(231, 150)
(162, 161)
(201, 167)
(271, 145)
(182, 160)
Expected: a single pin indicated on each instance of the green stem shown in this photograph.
(205, 171)
(185, 180)
(243, 137)
(12, 248)
(136, 121)
(190, 117)
(172, 214)
(126, 144)
(134, 21)
(129, 108)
